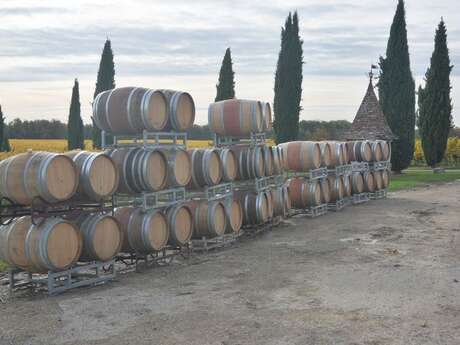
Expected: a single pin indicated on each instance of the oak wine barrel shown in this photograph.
(326, 154)
(50, 176)
(98, 178)
(344, 153)
(377, 154)
(180, 221)
(336, 191)
(206, 168)
(130, 110)
(337, 154)
(350, 151)
(267, 116)
(347, 187)
(277, 160)
(378, 180)
(385, 179)
(278, 202)
(269, 198)
(235, 117)
(304, 194)
(385, 146)
(250, 161)
(302, 155)
(268, 160)
(362, 151)
(229, 164)
(255, 208)
(325, 191)
(13, 242)
(139, 169)
(234, 213)
(369, 183)
(102, 236)
(144, 232)
(179, 167)
(209, 218)
(357, 183)
(286, 200)
(181, 110)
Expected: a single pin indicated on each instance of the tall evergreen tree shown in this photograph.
(435, 105)
(288, 82)
(226, 86)
(397, 92)
(75, 130)
(105, 81)
(4, 142)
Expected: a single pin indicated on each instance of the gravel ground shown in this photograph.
(385, 272)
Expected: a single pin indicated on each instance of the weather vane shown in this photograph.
(371, 72)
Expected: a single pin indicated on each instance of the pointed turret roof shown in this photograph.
(370, 122)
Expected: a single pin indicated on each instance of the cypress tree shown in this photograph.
(397, 92)
(288, 82)
(226, 86)
(435, 105)
(105, 81)
(75, 132)
(4, 141)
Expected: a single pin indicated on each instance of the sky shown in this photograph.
(179, 44)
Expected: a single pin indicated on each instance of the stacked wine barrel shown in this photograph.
(254, 160)
(130, 112)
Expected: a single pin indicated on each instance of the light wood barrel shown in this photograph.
(250, 162)
(179, 167)
(139, 169)
(286, 200)
(385, 179)
(326, 154)
(50, 176)
(362, 151)
(255, 208)
(206, 168)
(180, 220)
(350, 151)
(369, 183)
(344, 153)
(378, 180)
(235, 117)
(102, 236)
(53, 245)
(181, 110)
(357, 183)
(277, 163)
(304, 194)
(130, 110)
(377, 154)
(278, 202)
(302, 155)
(337, 153)
(268, 160)
(13, 241)
(98, 178)
(347, 187)
(385, 147)
(143, 232)
(336, 190)
(325, 191)
(267, 115)
(229, 164)
(234, 213)
(209, 218)
(269, 198)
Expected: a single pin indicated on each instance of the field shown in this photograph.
(413, 178)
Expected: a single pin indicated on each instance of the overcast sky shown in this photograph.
(179, 44)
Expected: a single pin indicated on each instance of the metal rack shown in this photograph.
(341, 170)
(147, 140)
(378, 166)
(315, 174)
(206, 244)
(82, 274)
(312, 212)
(379, 194)
(359, 166)
(217, 192)
(253, 140)
(336, 206)
(152, 200)
(360, 198)
(260, 184)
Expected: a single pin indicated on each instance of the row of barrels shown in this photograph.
(239, 118)
(131, 110)
(302, 156)
(305, 194)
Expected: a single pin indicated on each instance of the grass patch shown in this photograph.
(3, 266)
(418, 177)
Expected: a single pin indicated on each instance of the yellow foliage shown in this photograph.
(451, 156)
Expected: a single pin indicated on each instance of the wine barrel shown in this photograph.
(50, 176)
(278, 202)
(181, 110)
(143, 232)
(139, 169)
(385, 179)
(267, 115)
(98, 178)
(102, 236)
(235, 117)
(277, 164)
(304, 194)
(336, 191)
(326, 154)
(325, 191)
(337, 153)
(362, 151)
(180, 220)
(378, 180)
(209, 218)
(269, 198)
(357, 183)
(206, 168)
(385, 147)
(229, 164)
(13, 241)
(350, 151)
(369, 183)
(130, 110)
(53, 245)
(234, 216)
(286, 200)
(302, 155)
(347, 187)
(250, 162)
(179, 167)
(344, 153)
(376, 148)
(268, 160)
(255, 208)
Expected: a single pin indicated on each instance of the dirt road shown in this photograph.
(386, 272)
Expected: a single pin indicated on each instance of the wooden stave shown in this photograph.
(201, 172)
(278, 202)
(347, 187)
(302, 156)
(231, 227)
(267, 116)
(357, 183)
(173, 99)
(378, 183)
(12, 250)
(368, 182)
(226, 155)
(377, 154)
(171, 213)
(386, 149)
(325, 191)
(204, 218)
(336, 190)
(268, 161)
(385, 179)
(171, 155)
(255, 209)
(326, 154)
